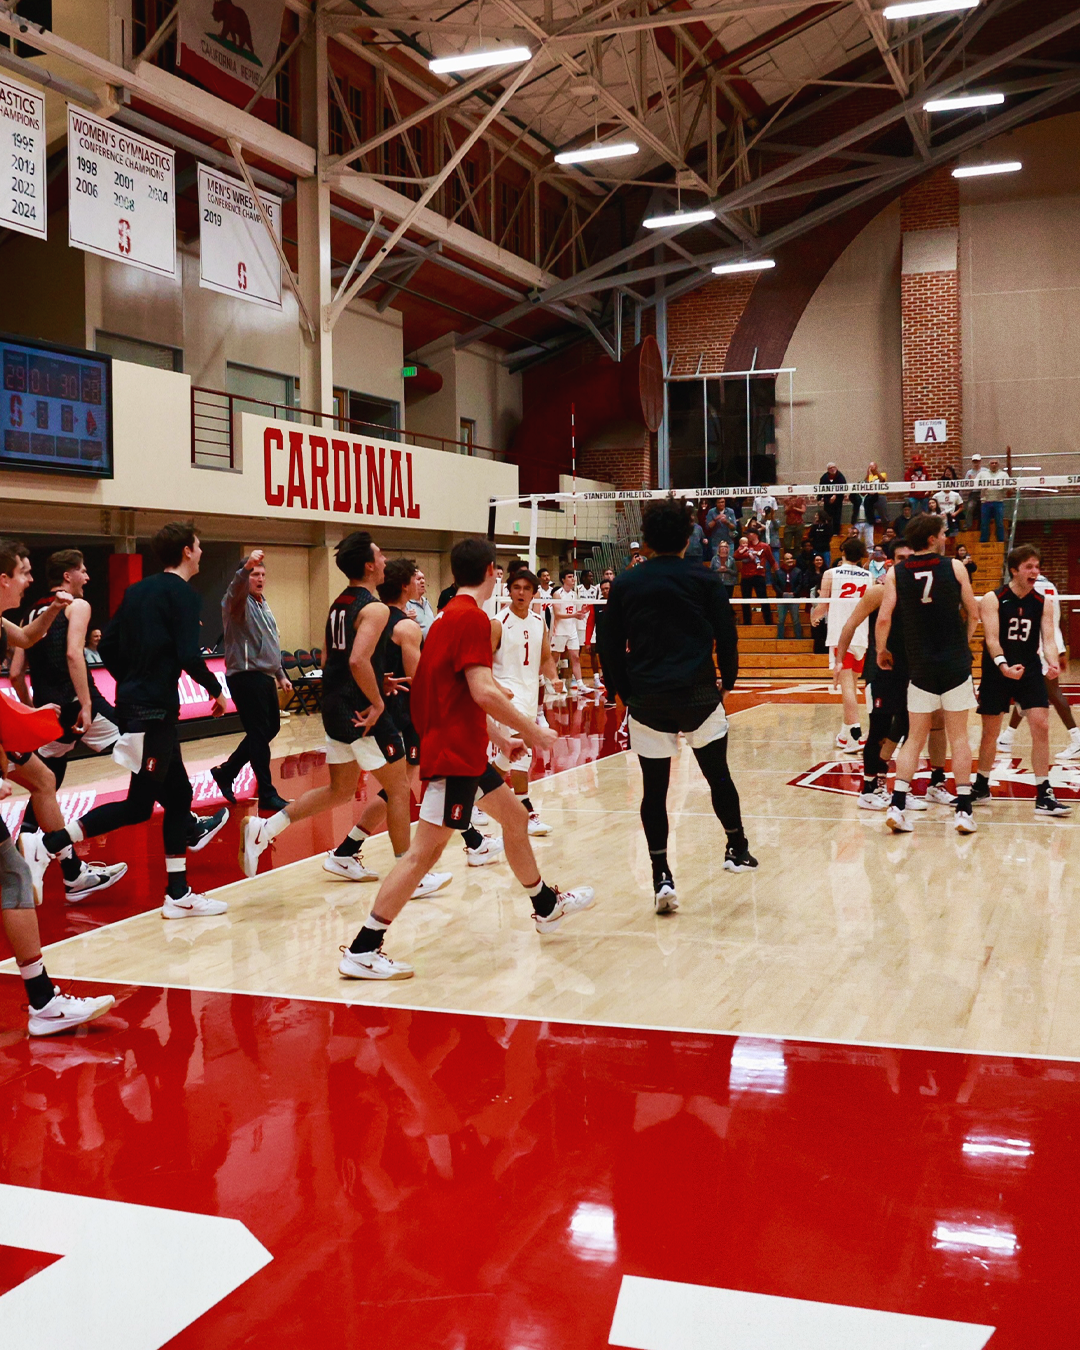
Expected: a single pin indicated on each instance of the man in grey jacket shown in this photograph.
(253, 669)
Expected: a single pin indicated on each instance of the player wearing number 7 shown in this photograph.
(934, 595)
(1016, 619)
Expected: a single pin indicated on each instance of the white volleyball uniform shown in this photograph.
(516, 666)
(564, 629)
(849, 585)
(497, 601)
(542, 604)
(585, 593)
(1046, 588)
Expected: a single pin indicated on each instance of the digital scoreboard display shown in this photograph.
(55, 409)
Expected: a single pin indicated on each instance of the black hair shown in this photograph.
(470, 560)
(354, 553)
(64, 560)
(665, 525)
(1020, 554)
(522, 573)
(399, 572)
(11, 552)
(921, 530)
(566, 572)
(171, 540)
(853, 549)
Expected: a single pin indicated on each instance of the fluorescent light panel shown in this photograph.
(588, 153)
(981, 170)
(722, 269)
(500, 56)
(914, 8)
(963, 101)
(679, 218)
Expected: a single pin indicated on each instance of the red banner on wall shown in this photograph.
(230, 47)
(194, 700)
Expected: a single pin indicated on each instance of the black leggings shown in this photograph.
(885, 725)
(163, 779)
(655, 775)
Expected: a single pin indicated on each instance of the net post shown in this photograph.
(492, 509)
(534, 526)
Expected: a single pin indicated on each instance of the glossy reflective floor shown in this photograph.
(679, 1099)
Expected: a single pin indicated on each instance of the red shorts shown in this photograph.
(852, 662)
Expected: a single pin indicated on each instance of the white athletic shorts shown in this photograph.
(565, 642)
(582, 629)
(364, 750)
(959, 698)
(523, 762)
(655, 744)
(102, 735)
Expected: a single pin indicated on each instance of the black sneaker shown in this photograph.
(980, 796)
(737, 858)
(224, 785)
(664, 898)
(274, 802)
(203, 829)
(1046, 804)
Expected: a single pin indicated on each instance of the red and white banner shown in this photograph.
(230, 48)
(194, 700)
(236, 254)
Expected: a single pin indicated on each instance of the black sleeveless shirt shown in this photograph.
(1019, 628)
(47, 660)
(929, 598)
(338, 683)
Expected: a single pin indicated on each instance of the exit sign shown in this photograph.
(406, 371)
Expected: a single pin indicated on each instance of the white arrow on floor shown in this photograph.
(665, 1315)
(132, 1277)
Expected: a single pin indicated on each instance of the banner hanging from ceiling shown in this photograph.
(22, 159)
(230, 48)
(236, 254)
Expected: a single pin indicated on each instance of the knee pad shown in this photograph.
(16, 888)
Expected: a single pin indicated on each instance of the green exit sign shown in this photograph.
(406, 371)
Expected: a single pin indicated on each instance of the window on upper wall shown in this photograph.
(359, 413)
(147, 16)
(138, 351)
(467, 436)
(265, 392)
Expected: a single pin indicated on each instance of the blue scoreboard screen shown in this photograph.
(55, 409)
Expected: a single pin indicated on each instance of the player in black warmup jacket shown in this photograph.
(662, 622)
(1016, 619)
(152, 638)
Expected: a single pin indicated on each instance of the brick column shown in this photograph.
(704, 322)
(930, 315)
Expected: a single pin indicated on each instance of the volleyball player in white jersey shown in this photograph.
(521, 652)
(587, 590)
(847, 583)
(499, 597)
(566, 606)
(1046, 588)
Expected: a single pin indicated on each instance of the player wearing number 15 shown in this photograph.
(933, 594)
(1016, 619)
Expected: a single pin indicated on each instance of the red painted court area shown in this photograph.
(451, 1181)
(1012, 779)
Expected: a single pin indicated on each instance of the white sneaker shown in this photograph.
(1072, 750)
(665, 900)
(348, 868)
(577, 686)
(480, 818)
(847, 745)
(536, 825)
(37, 858)
(541, 720)
(567, 904)
(256, 841)
(431, 882)
(1005, 738)
(917, 803)
(965, 823)
(939, 794)
(875, 801)
(372, 966)
(897, 821)
(64, 1011)
(490, 851)
(95, 876)
(192, 906)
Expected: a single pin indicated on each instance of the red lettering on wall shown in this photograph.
(272, 440)
(358, 464)
(342, 475)
(320, 469)
(397, 492)
(414, 506)
(297, 487)
(376, 481)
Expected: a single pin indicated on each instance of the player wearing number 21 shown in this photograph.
(1016, 620)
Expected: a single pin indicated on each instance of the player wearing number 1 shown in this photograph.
(846, 584)
(1017, 621)
(933, 593)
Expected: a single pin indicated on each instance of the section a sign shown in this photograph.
(931, 431)
(121, 194)
(22, 159)
(236, 254)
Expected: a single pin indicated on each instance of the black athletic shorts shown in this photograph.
(997, 693)
(411, 737)
(889, 692)
(389, 740)
(449, 801)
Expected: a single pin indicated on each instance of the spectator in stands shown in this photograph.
(794, 522)
(90, 651)
(447, 595)
(719, 524)
(756, 561)
(420, 608)
(821, 534)
(725, 567)
(874, 502)
(962, 555)
(764, 501)
(918, 473)
(818, 631)
(992, 483)
(833, 482)
(903, 520)
(878, 564)
(788, 583)
(804, 559)
(889, 537)
(974, 501)
(695, 548)
(950, 505)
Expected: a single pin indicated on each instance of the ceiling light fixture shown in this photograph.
(981, 170)
(914, 8)
(679, 218)
(760, 265)
(500, 56)
(588, 153)
(963, 101)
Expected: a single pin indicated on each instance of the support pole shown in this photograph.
(663, 444)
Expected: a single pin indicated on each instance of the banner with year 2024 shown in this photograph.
(22, 159)
(236, 254)
(121, 194)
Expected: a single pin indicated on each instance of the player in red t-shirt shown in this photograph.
(454, 694)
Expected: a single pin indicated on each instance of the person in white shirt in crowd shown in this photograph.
(992, 484)
(974, 499)
(1046, 588)
(566, 608)
(950, 505)
(878, 565)
(419, 608)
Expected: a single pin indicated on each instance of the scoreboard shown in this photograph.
(55, 409)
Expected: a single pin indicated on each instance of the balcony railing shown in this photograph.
(214, 428)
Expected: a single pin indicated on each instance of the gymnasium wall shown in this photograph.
(476, 385)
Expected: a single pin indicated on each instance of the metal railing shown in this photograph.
(214, 428)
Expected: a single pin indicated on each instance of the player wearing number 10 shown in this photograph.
(931, 591)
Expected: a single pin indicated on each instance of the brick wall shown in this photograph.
(1055, 540)
(703, 323)
(930, 319)
(628, 470)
